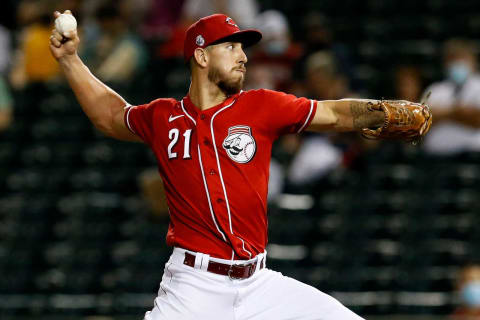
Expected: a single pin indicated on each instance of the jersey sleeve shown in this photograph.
(139, 120)
(289, 114)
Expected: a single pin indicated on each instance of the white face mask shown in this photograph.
(470, 293)
(458, 72)
(276, 47)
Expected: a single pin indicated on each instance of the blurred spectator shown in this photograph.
(317, 155)
(317, 36)
(131, 11)
(260, 76)
(307, 159)
(323, 79)
(469, 290)
(161, 18)
(407, 83)
(276, 180)
(243, 12)
(6, 101)
(172, 18)
(455, 102)
(6, 104)
(118, 55)
(173, 37)
(270, 64)
(5, 49)
(33, 61)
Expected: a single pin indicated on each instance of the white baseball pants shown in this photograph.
(188, 293)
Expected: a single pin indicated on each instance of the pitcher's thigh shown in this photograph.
(279, 297)
(191, 295)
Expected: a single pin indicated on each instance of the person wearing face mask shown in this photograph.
(469, 294)
(455, 103)
(272, 61)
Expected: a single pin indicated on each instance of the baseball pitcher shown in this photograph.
(213, 149)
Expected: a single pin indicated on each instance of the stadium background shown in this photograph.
(386, 237)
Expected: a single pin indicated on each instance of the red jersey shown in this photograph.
(215, 165)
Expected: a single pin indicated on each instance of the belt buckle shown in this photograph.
(230, 271)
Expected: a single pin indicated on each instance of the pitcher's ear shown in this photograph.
(201, 57)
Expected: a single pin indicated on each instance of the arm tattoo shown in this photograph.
(364, 117)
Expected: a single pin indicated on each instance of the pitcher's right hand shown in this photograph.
(60, 46)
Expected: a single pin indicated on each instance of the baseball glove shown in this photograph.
(404, 120)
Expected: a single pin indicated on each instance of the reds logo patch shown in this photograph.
(240, 144)
(231, 22)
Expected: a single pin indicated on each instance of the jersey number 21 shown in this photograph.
(173, 136)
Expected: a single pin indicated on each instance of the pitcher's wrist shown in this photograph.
(67, 60)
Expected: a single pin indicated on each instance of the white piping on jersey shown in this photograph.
(208, 194)
(243, 246)
(185, 111)
(128, 120)
(220, 171)
(308, 117)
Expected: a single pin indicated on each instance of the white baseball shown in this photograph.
(65, 23)
(248, 150)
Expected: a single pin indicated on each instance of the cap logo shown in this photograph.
(199, 40)
(231, 22)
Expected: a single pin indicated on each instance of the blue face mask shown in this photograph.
(458, 72)
(471, 294)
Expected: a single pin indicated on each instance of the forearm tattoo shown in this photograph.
(364, 117)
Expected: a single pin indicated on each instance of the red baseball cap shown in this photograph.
(215, 29)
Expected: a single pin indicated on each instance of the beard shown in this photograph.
(228, 85)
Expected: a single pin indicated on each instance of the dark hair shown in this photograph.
(189, 64)
(457, 45)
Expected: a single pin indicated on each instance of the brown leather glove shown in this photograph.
(404, 120)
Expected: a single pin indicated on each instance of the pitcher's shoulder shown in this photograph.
(261, 93)
(164, 102)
